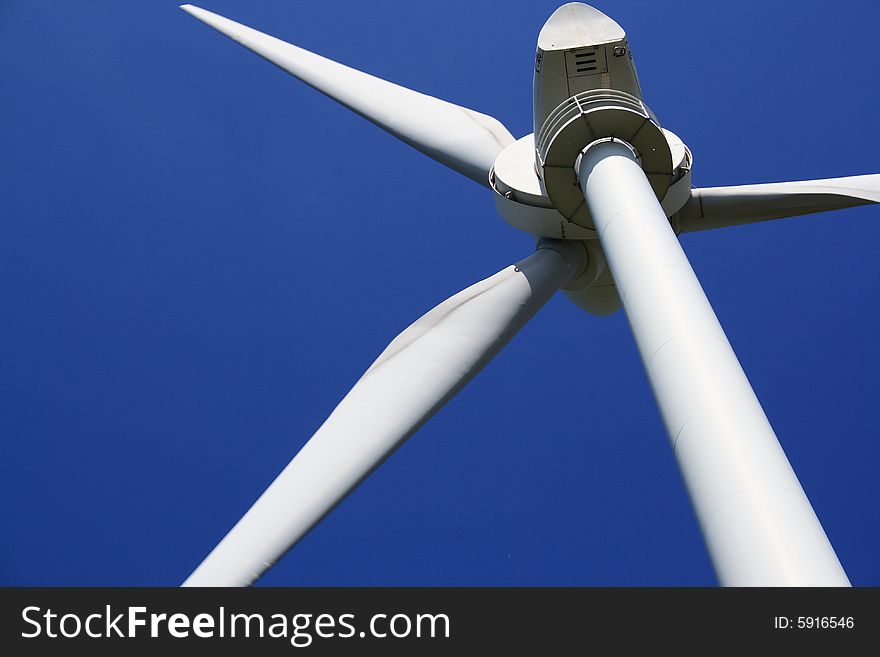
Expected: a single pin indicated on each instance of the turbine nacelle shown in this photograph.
(585, 89)
(580, 49)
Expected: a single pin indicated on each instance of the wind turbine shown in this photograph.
(605, 190)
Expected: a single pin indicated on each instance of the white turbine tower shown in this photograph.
(605, 191)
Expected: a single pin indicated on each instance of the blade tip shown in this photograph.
(191, 9)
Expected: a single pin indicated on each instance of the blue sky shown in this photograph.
(200, 255)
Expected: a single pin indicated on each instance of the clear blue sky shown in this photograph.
(200, 255)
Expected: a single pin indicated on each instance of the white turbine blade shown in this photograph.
(412, 379)
(462, 139)
(717, 207)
